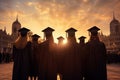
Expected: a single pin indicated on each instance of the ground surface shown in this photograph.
(113, 71)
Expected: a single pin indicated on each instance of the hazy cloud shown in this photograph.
(61, 14)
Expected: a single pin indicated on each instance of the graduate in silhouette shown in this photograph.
(82, 41)
(60, 40)
(71, 63)
(35, 57)
(21, 56)
(81, 47)
(60, 56)
(47, 50)
(95, 63)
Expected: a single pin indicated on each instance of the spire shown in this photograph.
(17, 17)
(113, 16)
(5, 29)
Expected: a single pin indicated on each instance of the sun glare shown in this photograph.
(65, 41)
(58, 77)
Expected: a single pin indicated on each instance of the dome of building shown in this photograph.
(15, 27)
(115, 21)
(16, 22)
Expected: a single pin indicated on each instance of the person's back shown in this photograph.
(71, 63)
(21, 57)
(95, 53)
(47, 50)
(34, 58)
(96, 63)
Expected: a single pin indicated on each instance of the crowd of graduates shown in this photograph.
(72, 61)
(5, 56)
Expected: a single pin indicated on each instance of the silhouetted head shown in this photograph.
(48, 33)
(60, 39)
(23, 31)
(94, 30)
(82, 38)
(21, 41)
(35, 37)
(71, 35)
(71, 32)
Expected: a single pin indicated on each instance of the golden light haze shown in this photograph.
(59, 15)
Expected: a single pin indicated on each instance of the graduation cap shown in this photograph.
(48, 29)
(71, 31)
(82, 37)
(60, 38)
(94, 30)
(23, 31)
(35, 37)
(48, 32)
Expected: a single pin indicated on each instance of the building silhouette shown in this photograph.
(6, 40)
(15, 27)
(112, 41)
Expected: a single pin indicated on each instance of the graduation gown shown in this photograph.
(81, 48)
(34, 60)
(21, 66)
(59, 58)
(0, 57)
(72, 64)
(95, 63)
(47, 63)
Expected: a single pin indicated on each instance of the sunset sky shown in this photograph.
(59, 15)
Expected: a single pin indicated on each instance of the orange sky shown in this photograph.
(59, 14)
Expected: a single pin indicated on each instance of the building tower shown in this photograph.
(115, 32)
(114, 26)
(15, 27)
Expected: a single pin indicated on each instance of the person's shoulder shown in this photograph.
(101, 43)
(93, 43)
(29, 43)
(43, 44)
(87, 43)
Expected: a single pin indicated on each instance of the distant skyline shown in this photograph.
(59, 15)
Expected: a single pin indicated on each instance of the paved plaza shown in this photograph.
(113, 71)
